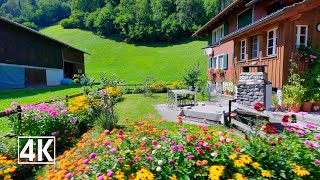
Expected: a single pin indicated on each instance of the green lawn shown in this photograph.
(128, 61)
(29, 96)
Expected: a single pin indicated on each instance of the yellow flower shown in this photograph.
(7, 177)
(174, 177)
(144, 174)
(233, 156)
(300, 171)
(265, 173)
(215, 172)
(119, 175)
(246, 159)
(255, 165)
(240, 177)
(239, 163)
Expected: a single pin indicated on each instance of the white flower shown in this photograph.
(160, 162)
(158, 146)
(214, 154)
(158, 168)
(228, 140)
(144, 138)
(154, 151)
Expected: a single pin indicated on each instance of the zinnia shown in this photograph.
(270, 129)
(92, 155)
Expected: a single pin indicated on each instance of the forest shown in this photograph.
(133, 20)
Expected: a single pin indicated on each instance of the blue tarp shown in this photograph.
(12, 77)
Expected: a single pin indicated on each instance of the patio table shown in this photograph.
(183, 92)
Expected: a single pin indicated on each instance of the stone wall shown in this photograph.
(251, 88)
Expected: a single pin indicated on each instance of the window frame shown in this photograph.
(252, 14)
(245, 50)
(274, 42)
(298, 35)
(217, 33)
(217, 62)
(258, 46)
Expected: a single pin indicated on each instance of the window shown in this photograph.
(218, 62)
(245, 18)
(272, 42)
(255, 47)
(243, 49)
(212, 62)
(302, 35)
(217, 34)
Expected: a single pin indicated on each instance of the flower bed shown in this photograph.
(146, 152)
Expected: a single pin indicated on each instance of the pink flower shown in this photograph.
(154, 142)
(310, 126)
(64, 111)
(165, 132)
(7, 111)
(37, 118)
(238, 150)
(110, 174)
(53, 113)
(127, 119)
(66, 131)
(106, 143)
(172, 143)
(163, 138)
(214, 154)
(100, 177)
(317, 161)
(290, 129)
(149, 158)
(317, 137)
(92, 155)
(14, 104)
(106, 131)
(86, 161)
(113, 150)
(120, 159)
(311, 144)
(174, 148)
(302, 113)
(190, 157)
(69, 175)
(228, 140)
(205, 144)
(184, 130)
(301, 132)
(120, 132)
(313, 56)
(136, 159)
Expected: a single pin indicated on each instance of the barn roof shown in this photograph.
(39, 34)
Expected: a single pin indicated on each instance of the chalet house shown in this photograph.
(261, 32)
(31, 59)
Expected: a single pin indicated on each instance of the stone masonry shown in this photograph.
(251, 88)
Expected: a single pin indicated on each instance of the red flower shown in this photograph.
(279, 139)
(259, 106)
(272, 143)
(208, 148)
(270, 129)
(201, 152)
(208, 138)
(285, 118)
(246, 137)
(216, 145)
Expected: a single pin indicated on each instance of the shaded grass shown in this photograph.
(131, 62)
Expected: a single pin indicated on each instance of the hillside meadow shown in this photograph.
(131, 62)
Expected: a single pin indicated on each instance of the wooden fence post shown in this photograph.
(106, 110)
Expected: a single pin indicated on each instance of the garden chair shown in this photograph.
(170, 98)
(192, 97)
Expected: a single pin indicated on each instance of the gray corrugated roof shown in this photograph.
(38, 33)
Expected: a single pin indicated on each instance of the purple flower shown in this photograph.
(317, 137)
(172, 143)
(317, 161)
(73, 122)
(66, 131)
(184, 130)
(53, 113)
(69, 175)
(106, 143)
(100, 177)
(311, 144)
(113, 150)
(110, 174)
(92, 155)
(310, 126)
(136, 159)
(53, 133)
(171, 162)
(200, 143)
(106, 131)
(37, 118)
(7, 111)
(14, 104)
(300, 132)
(163, 138)
(149, 158)
(86, 161)
(174, 148)
(120, 160)
(64, 111)
(180, 146)
(154, 142)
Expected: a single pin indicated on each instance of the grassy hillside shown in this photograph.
(128, 61)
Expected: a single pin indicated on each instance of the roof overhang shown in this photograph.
(203, 29)
(39, 34)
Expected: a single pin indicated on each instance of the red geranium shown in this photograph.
(259, 106)
(270, 129)
(285, 118)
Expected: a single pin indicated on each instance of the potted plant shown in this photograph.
(275, 103)
(306, 106)
(293, 91)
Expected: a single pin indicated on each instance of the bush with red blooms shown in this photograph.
(259, 106)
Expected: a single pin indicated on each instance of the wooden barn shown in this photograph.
(261, 32)
(31, 59)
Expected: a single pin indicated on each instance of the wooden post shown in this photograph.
(19, 110)
(106, 110)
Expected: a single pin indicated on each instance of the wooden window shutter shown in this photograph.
(225, 61)
(210, 38)
(210, 62)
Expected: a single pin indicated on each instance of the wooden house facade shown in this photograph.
(31, 59)
(262, 32)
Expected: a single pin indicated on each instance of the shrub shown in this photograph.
(192, 75)
(158, 87)
(70, 23)
(176, 85)
(31, 25)
(111, 81)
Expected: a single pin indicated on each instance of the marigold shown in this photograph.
(300, 171)
(265, 173)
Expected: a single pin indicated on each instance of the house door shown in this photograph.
(36, 78)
